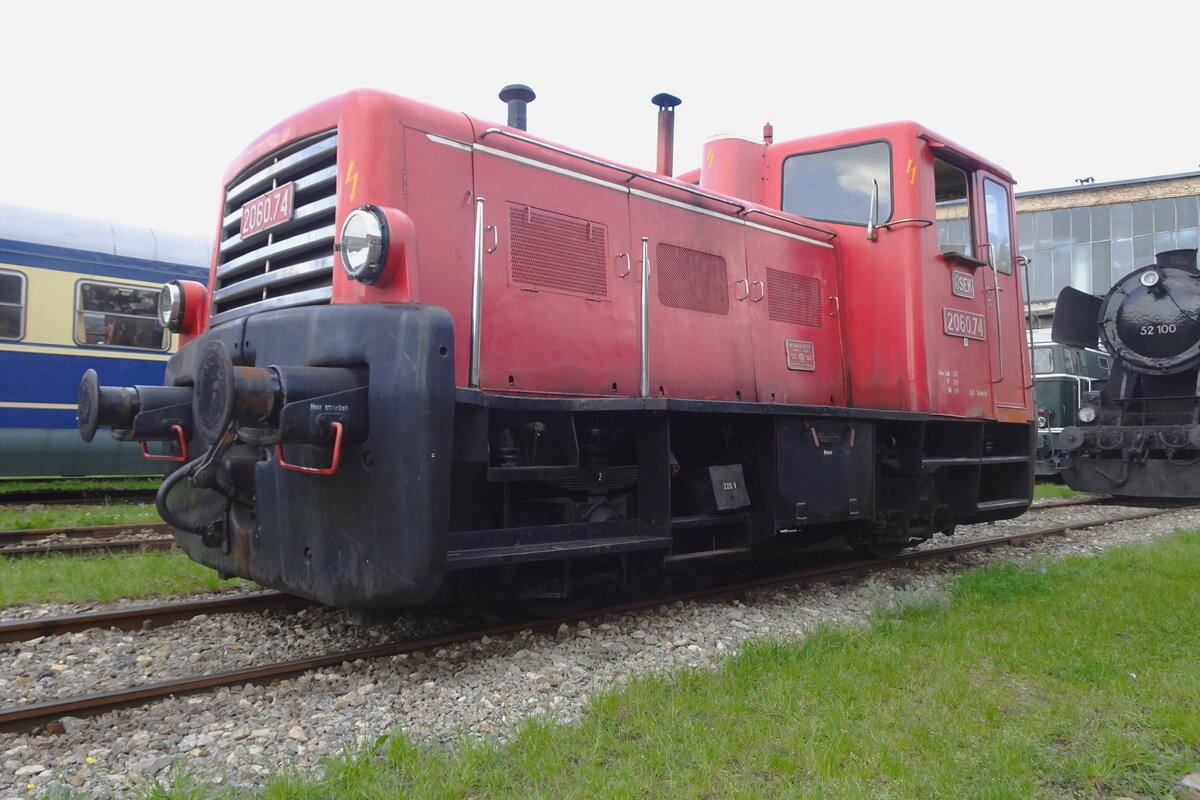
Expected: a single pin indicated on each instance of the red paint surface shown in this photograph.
(880, 341)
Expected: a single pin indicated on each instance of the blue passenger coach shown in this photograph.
(78, 293)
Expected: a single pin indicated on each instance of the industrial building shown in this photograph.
(1090, 235)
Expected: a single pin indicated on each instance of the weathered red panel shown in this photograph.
(797, 321)
(557, 315)
(696, 354)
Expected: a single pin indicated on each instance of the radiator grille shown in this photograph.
(292, 264)
(691, 279)
(793, 298)
(559, 253)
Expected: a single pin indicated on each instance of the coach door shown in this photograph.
(559, 292)
(1006, 316)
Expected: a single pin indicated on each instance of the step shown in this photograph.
(539, 551)
(997, 505)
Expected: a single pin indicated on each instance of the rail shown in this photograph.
(96, 538)
(150, 616)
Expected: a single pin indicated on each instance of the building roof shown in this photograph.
(1087, 187)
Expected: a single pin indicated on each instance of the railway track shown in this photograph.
(126, 537)
(107, 538)
(148, 616)
(33, 715)
(159, 614)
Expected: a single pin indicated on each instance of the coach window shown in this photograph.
(953, 209)
(116, 315)
(836, 185)
(12, 305)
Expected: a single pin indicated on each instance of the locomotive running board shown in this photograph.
(997, 505)
(470, 549)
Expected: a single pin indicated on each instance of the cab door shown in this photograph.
(960, 331)
(1006, 316)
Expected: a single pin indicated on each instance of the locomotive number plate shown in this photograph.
(266, 211)
(964, 324)
(801, 356)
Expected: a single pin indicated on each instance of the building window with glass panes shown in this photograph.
(1089, 237)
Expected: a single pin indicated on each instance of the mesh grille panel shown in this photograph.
(560, 253)
(793, 298)
(691, 279)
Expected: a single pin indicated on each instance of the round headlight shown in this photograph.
(1043, 422)
(170, 306)
(1087, 414)
(363, 244)
(1150, 278)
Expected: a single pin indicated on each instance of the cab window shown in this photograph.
(836, 185)
(951, 190)
(116, 315)
(12, 305)
(1043, 360)
(999, 225)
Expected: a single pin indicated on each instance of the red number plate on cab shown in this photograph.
(273, 208)
(966, 324)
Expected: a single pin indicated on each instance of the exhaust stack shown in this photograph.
(518, 96)
(666, 131)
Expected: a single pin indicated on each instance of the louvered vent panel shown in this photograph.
(691, 279)
(291, 264)
(793, 298)
(558, 253)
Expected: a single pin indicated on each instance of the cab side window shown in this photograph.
(952, 194)
(116, 315)
(836, 185)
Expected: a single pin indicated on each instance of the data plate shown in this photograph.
(963, 324)
(269, 210)
(801, 356)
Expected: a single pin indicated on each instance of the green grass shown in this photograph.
(1073, 679)
(15, 518)
(1043, 490)
(9, 485)
(80, 579)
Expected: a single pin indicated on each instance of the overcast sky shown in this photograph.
(131, 111)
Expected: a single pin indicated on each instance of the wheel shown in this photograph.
(886, 550)
(555, 607)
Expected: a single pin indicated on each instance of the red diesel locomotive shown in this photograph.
(444, 359)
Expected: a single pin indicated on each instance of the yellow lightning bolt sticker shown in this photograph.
(352, 180)
(912, 172)
(710, 158)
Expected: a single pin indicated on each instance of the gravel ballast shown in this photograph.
(480, 689)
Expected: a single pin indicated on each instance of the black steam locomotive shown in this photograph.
(1138, 435)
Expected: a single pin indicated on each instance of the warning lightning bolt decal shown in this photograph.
(352, 181)
(912, 172)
